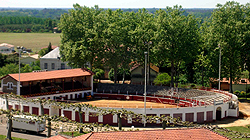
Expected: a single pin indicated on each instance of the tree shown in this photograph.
(82, 36)
(49, 47)
(177, 37)
(99, 73)
(118, 50)
(42, 52)
(226, 30)
(26, 69)
(162, 79)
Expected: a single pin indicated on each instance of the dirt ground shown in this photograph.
(243, 120)
(127, 104)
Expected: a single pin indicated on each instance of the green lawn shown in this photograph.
(2, 137)
(32, 41)
(74, 133)
(240, 129)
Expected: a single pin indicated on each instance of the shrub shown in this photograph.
(163, 79)
(237, 92)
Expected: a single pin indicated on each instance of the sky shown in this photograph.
(113, 3)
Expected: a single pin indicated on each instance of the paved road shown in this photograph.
(29, 136)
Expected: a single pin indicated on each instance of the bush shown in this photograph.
(237, 92)
(163, 79)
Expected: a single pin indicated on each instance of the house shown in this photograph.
(168, 134)
(6, 48)
(52, 61)
(27, 60)
(138, 73)
(240, 85)
(49, 83)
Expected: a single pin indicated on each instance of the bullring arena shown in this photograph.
(193, 105)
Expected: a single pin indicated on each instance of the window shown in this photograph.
(52, 66)
(45, 65)
(10, 86)
(62, 66)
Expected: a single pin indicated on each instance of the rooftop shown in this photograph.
(168, 134)
(6, 45)
(44, 75)
(54, 54)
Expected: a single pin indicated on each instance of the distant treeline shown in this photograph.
(44, 20)
(39, 13)
(21, 24)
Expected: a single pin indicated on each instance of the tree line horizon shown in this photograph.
(185, 45)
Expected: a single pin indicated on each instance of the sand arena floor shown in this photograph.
(126, 104)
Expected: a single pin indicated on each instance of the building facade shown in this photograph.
(52, 61)
(6, 48)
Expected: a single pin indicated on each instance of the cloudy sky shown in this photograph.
(113, 3)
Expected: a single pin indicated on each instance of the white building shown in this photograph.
(6, 48)
(51, 61)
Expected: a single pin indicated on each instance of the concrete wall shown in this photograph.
(240, 87)
(199, 112)
(5, 85)
(49, 62)
(27, 60)
(6, 50)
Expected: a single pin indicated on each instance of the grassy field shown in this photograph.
(242, 129)
(32, 41)
(2, 137)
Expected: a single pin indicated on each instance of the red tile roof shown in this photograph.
(168, 134)
(153, 67)
(35, 76)
(52, 47)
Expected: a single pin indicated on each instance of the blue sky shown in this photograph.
(113, 3)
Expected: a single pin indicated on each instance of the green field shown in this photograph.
(32, 41)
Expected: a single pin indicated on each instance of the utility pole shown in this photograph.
(145, 87)
(219, 67)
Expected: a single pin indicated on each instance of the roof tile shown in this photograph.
(35, 76)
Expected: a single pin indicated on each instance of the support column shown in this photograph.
(30, 86)
(72, 83)
(82, 81)
(91, 84)
(40, 85)
(63, 83)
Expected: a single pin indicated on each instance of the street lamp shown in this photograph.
(145, 87)
(219, 67)
(148, 73)
(18, 85)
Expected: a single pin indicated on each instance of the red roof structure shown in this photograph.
(44, 75)
(52, 47)
(168, 134)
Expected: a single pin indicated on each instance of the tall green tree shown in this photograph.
(226, 30)
(82, 31)
(177, 37)
(117, 41)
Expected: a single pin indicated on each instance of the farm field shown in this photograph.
(32, 41)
